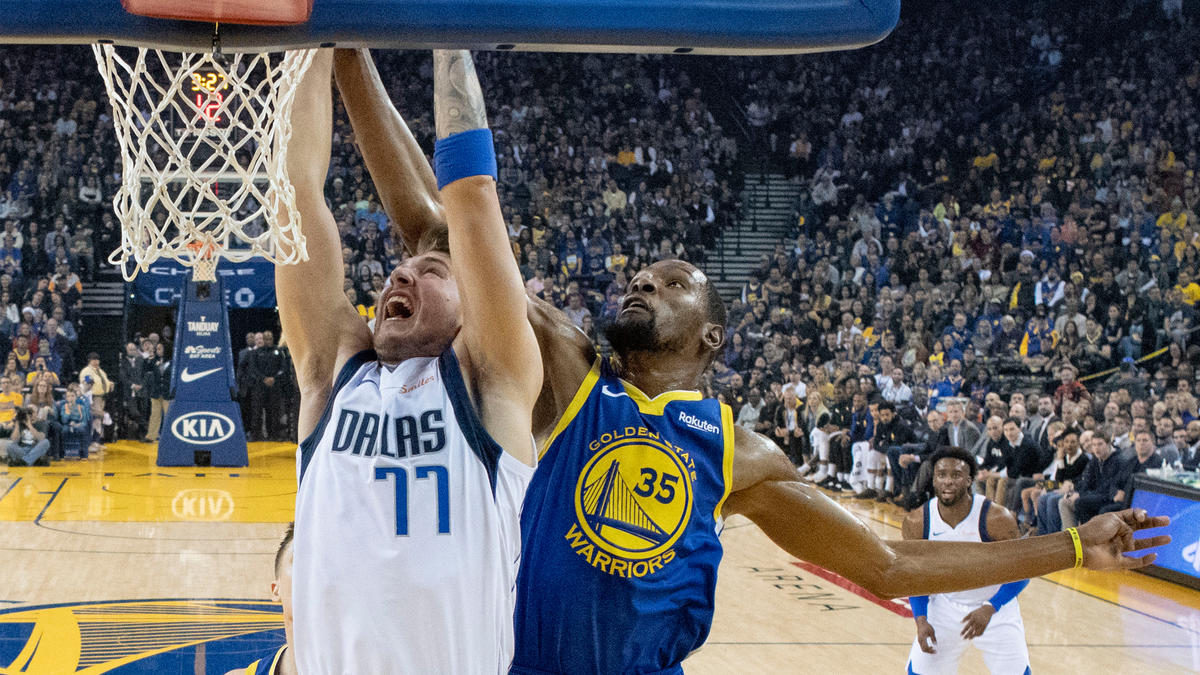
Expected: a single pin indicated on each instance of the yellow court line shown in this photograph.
(1133, 590)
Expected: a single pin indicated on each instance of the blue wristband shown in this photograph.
(462, 155)
(920, 605)
(1007, 592)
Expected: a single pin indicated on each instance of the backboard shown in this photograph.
(664, 26)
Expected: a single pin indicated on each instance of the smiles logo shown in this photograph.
(632, 502)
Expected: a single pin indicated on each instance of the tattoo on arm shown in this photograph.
(457, 96)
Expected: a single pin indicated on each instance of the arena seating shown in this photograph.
(977, 205)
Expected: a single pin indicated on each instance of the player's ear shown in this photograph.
(275, 591)
(714, 336)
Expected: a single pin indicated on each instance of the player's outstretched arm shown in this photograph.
(395, 161)
(502, 355)
(809, 525)
(323, 330)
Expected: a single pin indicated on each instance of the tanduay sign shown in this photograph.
(203, 417)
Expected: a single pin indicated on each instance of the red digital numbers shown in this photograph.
(210, 98)
(209, 105)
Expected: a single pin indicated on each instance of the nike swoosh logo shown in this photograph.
(604, 390)
(192, 377)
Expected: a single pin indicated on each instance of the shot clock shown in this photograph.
(207, 92)
(206, 124)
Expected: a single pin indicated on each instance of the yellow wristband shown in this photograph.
(1078, 546)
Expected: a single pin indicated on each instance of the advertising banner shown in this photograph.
(1181, 557)
(247, 284)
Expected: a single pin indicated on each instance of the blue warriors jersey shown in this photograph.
(620, 531)
(259, 668)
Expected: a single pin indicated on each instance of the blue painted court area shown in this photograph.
(139, 636)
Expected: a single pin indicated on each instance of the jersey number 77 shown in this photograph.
(442, 478)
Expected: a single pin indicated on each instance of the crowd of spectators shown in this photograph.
(995, 246)
(267, 390)
(54, 158)
(1024, 217)
(606, 163)
(1003, 258)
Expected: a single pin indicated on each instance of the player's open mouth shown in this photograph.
(397, 307)
(635, 303)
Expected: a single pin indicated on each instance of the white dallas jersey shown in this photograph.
(972, 528)
(407, 528)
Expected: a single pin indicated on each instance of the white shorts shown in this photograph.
(1002, 643)
(860, 452)
(876, 460)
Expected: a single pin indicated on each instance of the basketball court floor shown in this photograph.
(117, 565)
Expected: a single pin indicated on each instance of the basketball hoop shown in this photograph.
(204, 140)
(204, 260)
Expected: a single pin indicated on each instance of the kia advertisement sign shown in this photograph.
(202, 428)
(203, 420)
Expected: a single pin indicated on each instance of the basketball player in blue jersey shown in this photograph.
(987, 617)
(621, 524)
(283, 662)
(417, 447)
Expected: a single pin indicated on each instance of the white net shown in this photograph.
(203, 260)
(204, 142)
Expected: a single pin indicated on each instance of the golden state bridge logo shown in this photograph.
(632, 502)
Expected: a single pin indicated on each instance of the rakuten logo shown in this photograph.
(698, 424)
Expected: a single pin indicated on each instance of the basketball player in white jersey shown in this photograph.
(417, 447)
(989, 616)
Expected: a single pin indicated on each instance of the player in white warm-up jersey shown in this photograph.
(988, 616)
(417, 445)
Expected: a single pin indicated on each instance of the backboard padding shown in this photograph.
(689, 26)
